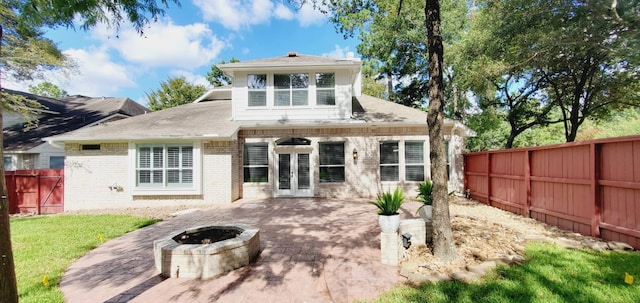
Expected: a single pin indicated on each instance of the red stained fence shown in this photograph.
(35, 191)
(591, 187)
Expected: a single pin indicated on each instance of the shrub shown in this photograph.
(389, 203)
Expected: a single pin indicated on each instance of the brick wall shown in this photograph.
(93, 177)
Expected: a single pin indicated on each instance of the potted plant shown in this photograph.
(388, 205)
(425, 191)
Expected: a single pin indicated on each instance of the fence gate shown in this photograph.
(35, 191)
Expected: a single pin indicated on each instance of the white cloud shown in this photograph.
(238, 14)
(308, 15)
(283, 12)
(338, 52)
(165, 44)
(98, 75)
(242, 14)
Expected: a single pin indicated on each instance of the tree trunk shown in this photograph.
(443, 247)
(510, 140)
(8, 285)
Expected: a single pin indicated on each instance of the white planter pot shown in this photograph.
(389, 224)
(426, 212)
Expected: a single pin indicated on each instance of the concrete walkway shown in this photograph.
(313, 250)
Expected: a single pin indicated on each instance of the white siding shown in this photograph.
(342, 109)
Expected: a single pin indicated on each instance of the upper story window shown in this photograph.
(291, 89)
(325, 88)
(257, 84)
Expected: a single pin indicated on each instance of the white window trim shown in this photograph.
(268, 165)
(344, 165)
(404, 159)
(317, 89)
(402, 163)
(265, 89)
(291, 90)
(311, 89)
(195, 189)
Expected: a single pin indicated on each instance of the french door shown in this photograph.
(294, 174)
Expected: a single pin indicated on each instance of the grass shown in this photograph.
(47, 245)
(550, 274)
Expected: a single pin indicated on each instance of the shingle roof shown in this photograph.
(291, 60)
(75, 112)
(194, 120)
(50, 104)
(212, 119)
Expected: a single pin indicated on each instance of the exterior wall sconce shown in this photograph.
(355, 154)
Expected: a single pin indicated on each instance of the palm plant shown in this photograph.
(425, 190)
(389, 203)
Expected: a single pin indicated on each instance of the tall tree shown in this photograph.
(47, 89)
(8, 285)
(571, 55)
(24, 56)
(407, 37)
(443, 247)
(31, 15)
(113, 13)
(216, 77)
(173, 92)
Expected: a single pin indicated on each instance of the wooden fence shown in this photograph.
(592, 187)
(35, 191)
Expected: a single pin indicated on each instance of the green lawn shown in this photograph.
(47, 245)
(550, 274)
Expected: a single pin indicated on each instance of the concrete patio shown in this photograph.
(313, 250)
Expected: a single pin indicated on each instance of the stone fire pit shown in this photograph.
(207, 251)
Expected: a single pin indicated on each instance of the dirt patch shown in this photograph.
(483, 233)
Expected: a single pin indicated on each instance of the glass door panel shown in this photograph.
(304, 171)
(284, 171)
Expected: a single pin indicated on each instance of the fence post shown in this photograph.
(594, 170)
(527, 183)
(489, 178)
(37, 176)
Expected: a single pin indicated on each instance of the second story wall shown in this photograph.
(292, 94)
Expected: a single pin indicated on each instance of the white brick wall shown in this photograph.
(90, 176)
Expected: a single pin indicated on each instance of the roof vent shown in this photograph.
(292, 54)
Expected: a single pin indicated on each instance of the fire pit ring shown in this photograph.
(175, 258)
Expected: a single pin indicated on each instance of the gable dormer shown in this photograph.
(294, 87)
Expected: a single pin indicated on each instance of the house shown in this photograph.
(290, 126)
(24, 147)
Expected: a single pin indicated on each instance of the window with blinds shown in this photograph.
(164, 166)
(414, 161)
(257, 85)
(325, 89)
(389, 161)
(332, 160)
(291, 89)
(255, 162)
(404, 159)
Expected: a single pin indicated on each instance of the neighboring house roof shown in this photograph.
(75, 112)
(51, 105)
(212, 120)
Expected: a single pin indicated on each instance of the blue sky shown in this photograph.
(186, 42)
